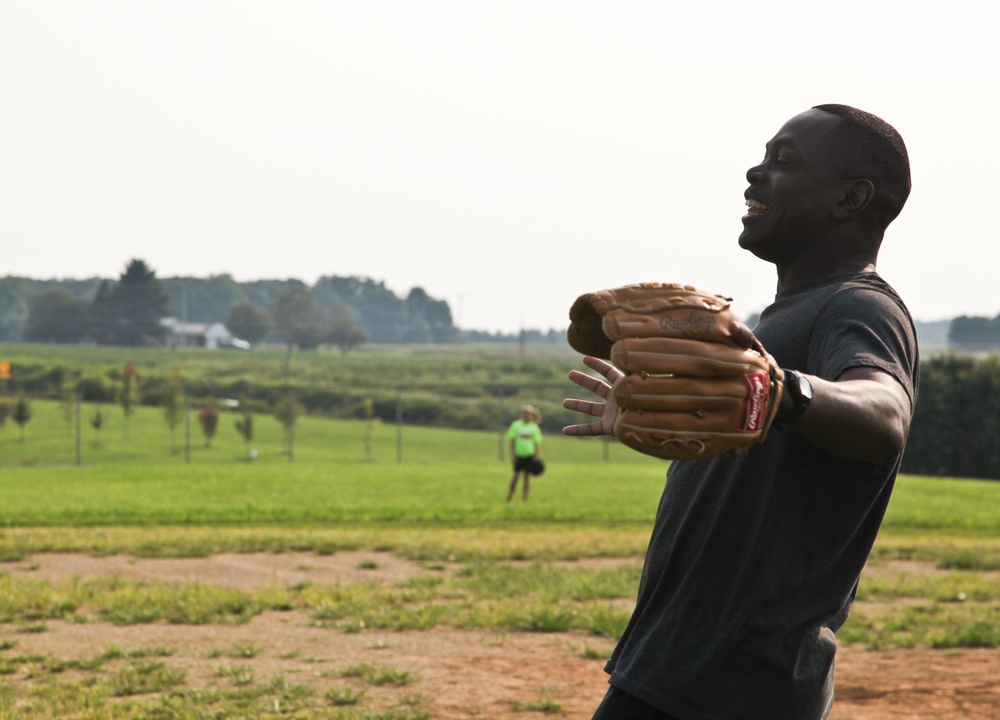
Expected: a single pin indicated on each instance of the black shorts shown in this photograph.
(524, 463)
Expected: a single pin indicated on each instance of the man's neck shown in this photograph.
(791, 278)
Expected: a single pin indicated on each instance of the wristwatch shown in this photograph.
(800, 389)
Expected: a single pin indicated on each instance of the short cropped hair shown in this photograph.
(872, 149)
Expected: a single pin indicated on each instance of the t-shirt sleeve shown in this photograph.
(863, 327)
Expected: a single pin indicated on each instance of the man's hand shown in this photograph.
(606, 411)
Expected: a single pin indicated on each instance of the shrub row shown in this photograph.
(472, 405)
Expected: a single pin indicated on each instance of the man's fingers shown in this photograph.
(589, 382)
(588, 429)
(603, 367)
(601, 388)
(584, 406)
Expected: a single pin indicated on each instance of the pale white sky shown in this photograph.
(504, 156)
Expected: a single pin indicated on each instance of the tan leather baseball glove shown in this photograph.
(696, 383)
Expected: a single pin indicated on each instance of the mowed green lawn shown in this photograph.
(346, 473)
(407, 475)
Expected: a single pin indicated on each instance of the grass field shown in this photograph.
(403, 476)
(432, 496)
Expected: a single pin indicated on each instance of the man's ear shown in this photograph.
(857, 196)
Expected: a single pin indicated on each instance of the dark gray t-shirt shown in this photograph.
(754, 560)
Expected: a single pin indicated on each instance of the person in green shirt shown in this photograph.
(525, 441)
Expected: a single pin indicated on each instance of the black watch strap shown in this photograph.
(800, 389)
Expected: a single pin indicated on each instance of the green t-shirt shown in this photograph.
(526, 436)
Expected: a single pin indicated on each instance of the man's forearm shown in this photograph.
(864, 415)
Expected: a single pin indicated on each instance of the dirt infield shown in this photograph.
(459, 674)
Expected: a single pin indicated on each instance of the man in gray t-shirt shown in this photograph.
(754, 560)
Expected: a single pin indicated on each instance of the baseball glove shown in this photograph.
(691, 387)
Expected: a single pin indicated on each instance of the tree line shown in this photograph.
(956, 422)
(341, 311)
(975, 332)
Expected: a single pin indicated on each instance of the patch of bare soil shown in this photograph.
(235, 570)
(459, 674)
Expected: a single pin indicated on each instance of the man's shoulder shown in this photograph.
(869, 290)
(871, 281)
(838, 293)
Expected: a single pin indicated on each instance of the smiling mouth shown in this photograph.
(757, 207)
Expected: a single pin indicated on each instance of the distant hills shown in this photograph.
(387, 318)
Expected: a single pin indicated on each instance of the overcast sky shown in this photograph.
(503, 156)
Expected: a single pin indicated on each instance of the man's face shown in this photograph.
(792, 191)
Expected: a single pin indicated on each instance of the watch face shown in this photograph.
(805, 387)
(801, 392)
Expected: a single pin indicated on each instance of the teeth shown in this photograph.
(757, 205)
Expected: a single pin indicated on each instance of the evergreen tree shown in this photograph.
(129, 313)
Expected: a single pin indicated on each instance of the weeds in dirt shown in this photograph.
(117, 653)
(240, 675)
(543, 706)
(936, 625)
(499, 596)
(145, 678)
(588, 653)
(344, 697)
(239, 650)
(30, 629)
(379, 676)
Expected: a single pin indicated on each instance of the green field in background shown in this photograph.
(409, 474)
(402, 475)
